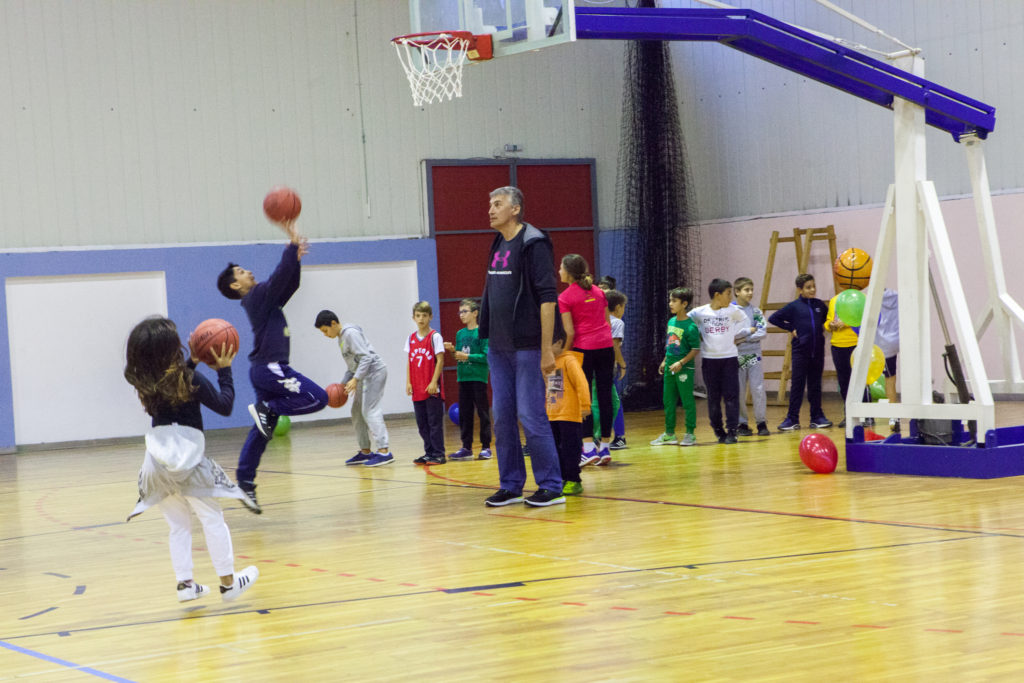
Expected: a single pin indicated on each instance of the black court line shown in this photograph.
(29, 616)
(260, 610)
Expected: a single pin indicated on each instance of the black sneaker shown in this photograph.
(250, 502)
(543, 498)
(433, 460)
(265, 419)
(503, 497)
(618, 443)
(730, 437)
(762, 429)
(744, 430)
(422, 460)
(720, 434)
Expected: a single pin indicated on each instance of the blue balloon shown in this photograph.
(453, 413)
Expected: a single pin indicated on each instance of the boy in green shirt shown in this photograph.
(471, 353)
(681, 346)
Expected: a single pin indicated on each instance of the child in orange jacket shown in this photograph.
(568, 401)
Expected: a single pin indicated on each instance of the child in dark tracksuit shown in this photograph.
(804, 319)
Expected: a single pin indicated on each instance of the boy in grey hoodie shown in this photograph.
(748, 344)
(364, 381)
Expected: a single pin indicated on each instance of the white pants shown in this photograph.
(754, 376)
(367, 412)
(175, 509)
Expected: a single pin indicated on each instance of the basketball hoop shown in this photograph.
(433, 62)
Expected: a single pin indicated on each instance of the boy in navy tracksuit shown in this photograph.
(804, 319)
(279, 389)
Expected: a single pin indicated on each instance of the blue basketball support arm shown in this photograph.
(798, 51)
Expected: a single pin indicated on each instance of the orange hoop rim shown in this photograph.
(437, 39)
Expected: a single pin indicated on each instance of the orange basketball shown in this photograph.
(336, 395)
(282, 204)
(210, 334)
(853, 269)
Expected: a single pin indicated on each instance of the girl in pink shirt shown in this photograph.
(588, 330)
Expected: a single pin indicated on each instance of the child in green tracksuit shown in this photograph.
(681, 347)
(471, 353)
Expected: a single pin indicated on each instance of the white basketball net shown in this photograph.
(433, 66)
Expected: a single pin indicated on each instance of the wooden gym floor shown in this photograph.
(713, 563)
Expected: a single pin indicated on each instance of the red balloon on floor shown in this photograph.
(819, 453)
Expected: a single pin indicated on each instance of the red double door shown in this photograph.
(559, 198)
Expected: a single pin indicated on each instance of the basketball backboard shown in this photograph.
(515, 25)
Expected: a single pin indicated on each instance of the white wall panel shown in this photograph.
(166, 121)
(67, 354)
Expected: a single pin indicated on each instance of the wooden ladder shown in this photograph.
(802, 240)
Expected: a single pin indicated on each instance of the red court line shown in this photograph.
(943, 630)
(794, 621)
(869, 626)
(740, 618)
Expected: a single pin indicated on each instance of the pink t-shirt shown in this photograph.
(587, 308)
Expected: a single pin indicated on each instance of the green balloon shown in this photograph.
(850, 306)
(284, 425)
(877, 389)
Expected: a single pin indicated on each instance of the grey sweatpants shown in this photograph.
(367, 414)
(752, 373)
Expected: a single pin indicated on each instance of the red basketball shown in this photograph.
(336, 395)
(210, 334)
(818, 452)
(282, 204)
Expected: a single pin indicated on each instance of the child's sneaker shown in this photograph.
(243, 581)
(484, 454)
(820, 422)
(762, 429)
(688, 440)
(572, 488)
(789, 425)
(543, 498)
(588, 458)
(604, 457)
(434, 460)
(190, 590)
(618, 443)
(503, 497)
(744, 430)
(894, 425)
(665, 440)
(378, 459)
(265, 419)
(359, 458)
(422, 460)
(250, 498)
(461, 454)
(730, 437)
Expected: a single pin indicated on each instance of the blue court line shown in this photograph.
(59, 576)
(79, 590)
(48, 609)
(493, 586)
(64, 662)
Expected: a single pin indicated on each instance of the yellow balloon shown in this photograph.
(876, 365)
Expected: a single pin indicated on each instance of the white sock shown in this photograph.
(589, 447)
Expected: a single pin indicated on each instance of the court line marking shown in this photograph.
(63, 662)
(780, 513)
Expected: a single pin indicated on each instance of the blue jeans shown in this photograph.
(519, 392)
(287, 393)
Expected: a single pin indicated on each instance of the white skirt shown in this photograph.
(176, 463)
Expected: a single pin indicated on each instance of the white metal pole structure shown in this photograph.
(911, 222)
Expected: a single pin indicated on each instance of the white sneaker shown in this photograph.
(665, 440)
(191, 591)
(243, 581)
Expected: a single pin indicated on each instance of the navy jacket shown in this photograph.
(807, 317)
(537, 286)
(264, 304)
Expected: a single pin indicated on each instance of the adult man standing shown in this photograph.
(517, 317)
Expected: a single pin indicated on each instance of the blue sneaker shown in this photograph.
(789, 425)
(378, 459)
(359, 458)
(461, 454)
(605, 458)
(485, 454)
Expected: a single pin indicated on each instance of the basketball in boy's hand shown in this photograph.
(853, 268)
(210, 334)
(282, 204)
(336, 395)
